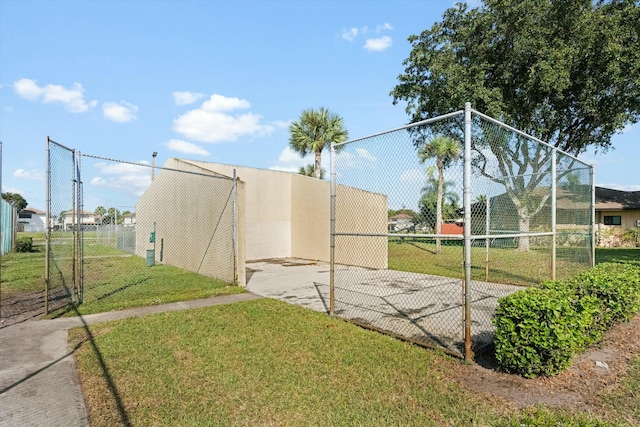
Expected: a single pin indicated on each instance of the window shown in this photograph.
(24, 215)
(612, 220)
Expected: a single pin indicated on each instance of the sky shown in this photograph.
(217, 81)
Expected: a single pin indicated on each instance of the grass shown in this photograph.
(506, 265)
(23, 272)
(265, 362)
(113, 280)
(116, 283)
(617, 254)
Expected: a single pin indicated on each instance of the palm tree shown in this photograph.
(446, 151)
(309, 170)
(314, 131)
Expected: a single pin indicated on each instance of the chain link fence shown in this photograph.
(474, 211)
(126, 234)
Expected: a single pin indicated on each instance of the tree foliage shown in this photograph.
(564, 71)
(16, 200)
(309, 170)
(446, 151)
(314, 131)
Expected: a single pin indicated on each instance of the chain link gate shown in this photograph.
(433, 222)
(110, 221)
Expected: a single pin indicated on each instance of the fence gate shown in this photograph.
(435, 221)
(111, 221)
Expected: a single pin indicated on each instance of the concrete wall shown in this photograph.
(363, 212)
(288, 215)
(194, 221)
(267, 209)
(280, 215)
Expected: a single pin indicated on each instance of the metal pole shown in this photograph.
(153, 165)
(235, 227)
(487, 218)
(74, 227)
(593, 216)
(332, 230)
(2, 234)
(468, 354)
(80, 269)
(47, 237)
(554, 208)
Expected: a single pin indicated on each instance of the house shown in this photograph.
(32, 220)
(129, 220)
(617, 216)
(67, 219)
(401, 222)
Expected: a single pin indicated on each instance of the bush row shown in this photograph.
(539, 330)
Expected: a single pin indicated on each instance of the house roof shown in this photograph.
(33, 211)
(401, 216)
(610, 199)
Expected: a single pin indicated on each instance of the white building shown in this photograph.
(32, 220)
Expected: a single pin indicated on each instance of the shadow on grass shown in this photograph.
(111, 386)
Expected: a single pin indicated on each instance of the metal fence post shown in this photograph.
(47, 237)
(332, 229)
(593, 216)
(554, 209)
(235, 226)
(468, 355)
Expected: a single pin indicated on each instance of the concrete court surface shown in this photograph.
(422, 307)
(38, 380)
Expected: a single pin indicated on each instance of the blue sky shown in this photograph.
(217, 81)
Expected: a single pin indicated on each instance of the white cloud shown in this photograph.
(379, 44)
(124, 177)
(185, 98)
(350, 34)
(290, 161)
(121, 112)
(33, 175)
(213, 121)
(73, 98)
(186, 147)
(384, 27)
(359, 160)
(413, 176)
(217, 103)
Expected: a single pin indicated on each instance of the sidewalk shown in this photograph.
(38, 380)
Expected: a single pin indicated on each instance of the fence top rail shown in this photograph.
(225, 178)
(407, 126)
(51, 141)
(526, 135)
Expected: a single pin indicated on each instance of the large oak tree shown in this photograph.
(564, 71)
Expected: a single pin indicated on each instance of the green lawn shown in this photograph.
(506, 264)
(265, 362)
(113, 280)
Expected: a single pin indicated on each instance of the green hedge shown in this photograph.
(539, 330)
(24, 244)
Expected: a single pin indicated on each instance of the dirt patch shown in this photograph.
(595, 372)
(20, 307)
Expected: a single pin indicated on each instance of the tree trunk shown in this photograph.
(318, 166)
(523, 242)
(439, 204)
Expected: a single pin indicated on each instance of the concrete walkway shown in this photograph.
(38, 379)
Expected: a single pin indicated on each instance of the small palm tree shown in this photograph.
(309, 170)
(446, 151)
(314, 131)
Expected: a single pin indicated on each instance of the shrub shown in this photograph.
(539, 330)
(24, 244)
